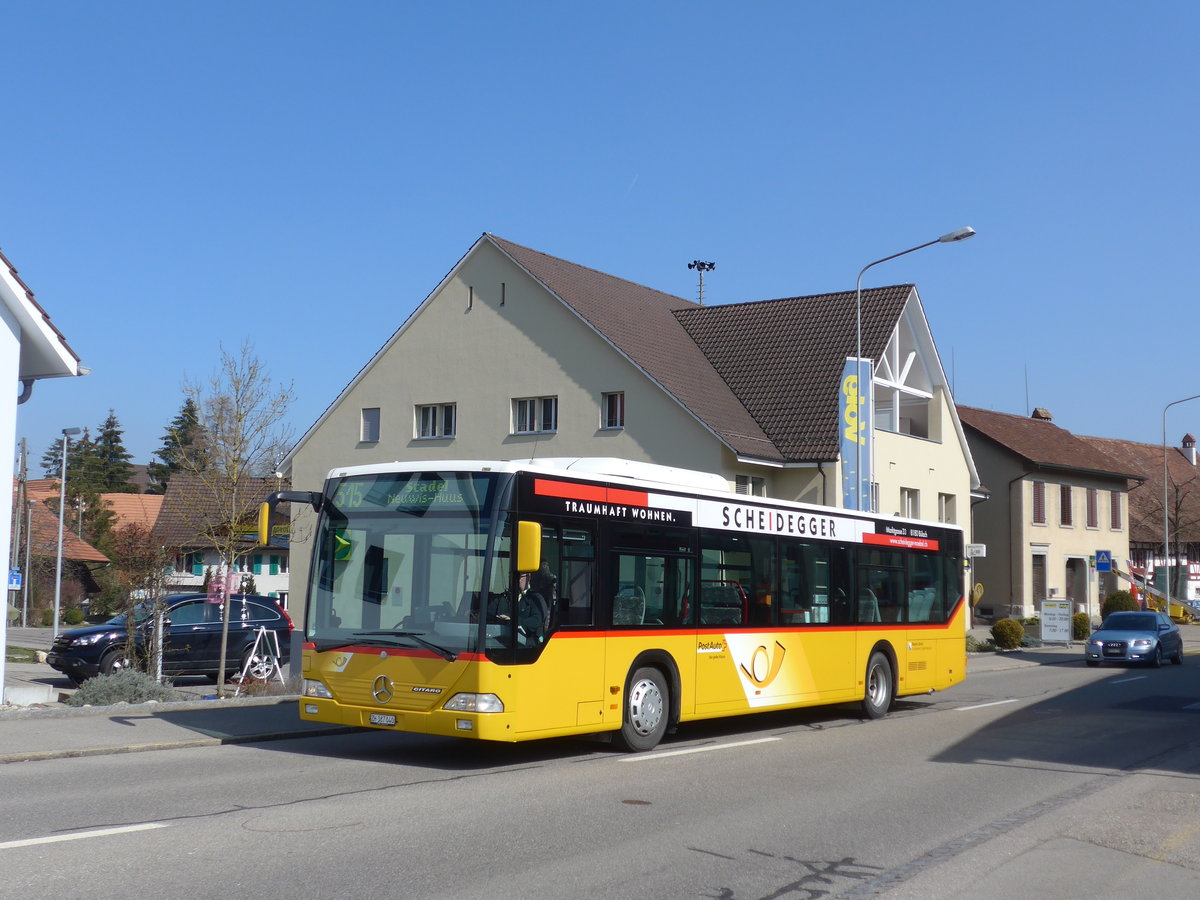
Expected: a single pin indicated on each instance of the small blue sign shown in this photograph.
(14, 579)
(1103, 560)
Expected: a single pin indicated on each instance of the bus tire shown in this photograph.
(647, 706)
(877, 698)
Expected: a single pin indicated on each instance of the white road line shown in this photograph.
(81, 835)
(1127, 680)
(644, 757)
(985, 705)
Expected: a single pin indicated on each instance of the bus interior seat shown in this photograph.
(868, 606)
(629, 606)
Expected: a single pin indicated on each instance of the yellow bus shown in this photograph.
(512, 601)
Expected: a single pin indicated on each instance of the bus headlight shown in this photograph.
(480, 703)
(316, 689)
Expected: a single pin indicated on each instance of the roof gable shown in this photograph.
(778, 358)
(44, 350)
(641, 323)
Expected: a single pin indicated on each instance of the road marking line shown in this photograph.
(985, 705)
(80, 835)
(1127, 680)
(642, 757)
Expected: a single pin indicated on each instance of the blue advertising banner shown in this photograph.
(854, 425)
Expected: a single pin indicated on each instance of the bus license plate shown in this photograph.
(382, 719)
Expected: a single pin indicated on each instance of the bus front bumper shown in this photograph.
(448, 723)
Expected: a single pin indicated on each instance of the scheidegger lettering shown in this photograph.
(749, 518)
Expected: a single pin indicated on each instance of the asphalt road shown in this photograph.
(934, 801)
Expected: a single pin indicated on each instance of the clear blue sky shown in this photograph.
(181, 175)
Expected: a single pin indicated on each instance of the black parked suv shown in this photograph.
(191, 638)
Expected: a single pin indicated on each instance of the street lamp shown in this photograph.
(62, 511)
(1166, 509)
(950, 238)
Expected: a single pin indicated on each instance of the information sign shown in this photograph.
(1056, 621)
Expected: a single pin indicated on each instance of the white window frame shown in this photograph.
(750, 485)
(910, 503)
(613, 410)
(535, 415)
(947, 508)
(369, 425)
(435, 421)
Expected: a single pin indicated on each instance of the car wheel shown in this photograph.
(1177, 659)
(878, 697)
(1156, 659)
(113, 661)
(647, 709)
(256, 666)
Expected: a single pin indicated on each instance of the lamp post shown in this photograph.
(62, 511)
(1166, 508)
(949, 238)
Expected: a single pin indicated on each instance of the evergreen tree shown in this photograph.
(183, 437)
(52, 460)
(113, 458)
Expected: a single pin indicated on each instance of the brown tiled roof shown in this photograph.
(784, 358)
(44, 529)
(190, 507)
(1146, 499)
(134, 509)
(640, 323)
(1042, 443)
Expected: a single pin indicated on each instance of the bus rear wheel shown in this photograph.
(647, 701)
(878, 685)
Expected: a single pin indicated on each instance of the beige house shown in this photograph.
(1057, 500)
(518, 355)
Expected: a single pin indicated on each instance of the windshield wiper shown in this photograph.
(415, 637)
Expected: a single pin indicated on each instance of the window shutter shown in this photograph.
(274, 565)
(197, 564)
(257, 563)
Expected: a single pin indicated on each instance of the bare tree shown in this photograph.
(141, 564)
(242, 438)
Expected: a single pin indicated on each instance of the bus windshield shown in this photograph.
(408, 560)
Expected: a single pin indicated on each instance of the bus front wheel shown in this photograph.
(878, 697)
(647, 701)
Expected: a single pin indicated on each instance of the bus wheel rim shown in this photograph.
(645, 706)
(876, 685)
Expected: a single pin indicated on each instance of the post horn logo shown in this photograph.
(764, 666)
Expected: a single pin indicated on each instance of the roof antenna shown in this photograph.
(702, 267)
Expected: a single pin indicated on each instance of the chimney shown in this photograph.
(1042, 414)
(1189, 448)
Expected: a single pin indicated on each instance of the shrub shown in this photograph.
(1081, 626)
(125, 686)
(974, 645)
(1119, 601)
(73, 617)
(47, 617)
(1008, 633)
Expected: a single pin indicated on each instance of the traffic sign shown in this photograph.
(1103, 560)
(14, 579)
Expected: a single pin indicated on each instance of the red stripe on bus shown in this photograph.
(895, 540)
(594, 492)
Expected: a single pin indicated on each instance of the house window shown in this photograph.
(946, 512)
(438, 420)
(1093, 508)
(750, 485)
(1064, 506)
(534, 415)
(614, 410)
(1114, 510)
(910, 503)
(369, 429)
(1039, 503)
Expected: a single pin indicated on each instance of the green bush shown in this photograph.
(1008, 633)
(125, 686)
(47, 617)
(73, 617)
(1119, 601)
(1081, 626)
